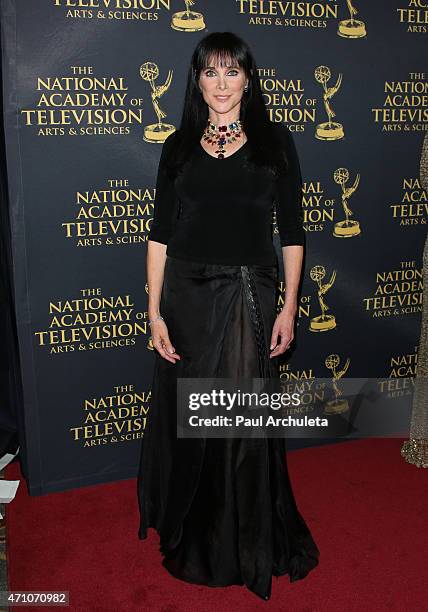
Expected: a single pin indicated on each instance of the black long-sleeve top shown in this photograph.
(220, 211)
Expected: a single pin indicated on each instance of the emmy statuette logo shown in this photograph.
(323, 322)
(347, 228)
(330, 130)
(351, 28)
(157, 132)
(338, 404)
(188, 21)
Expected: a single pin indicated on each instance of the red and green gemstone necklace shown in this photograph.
(219, 135)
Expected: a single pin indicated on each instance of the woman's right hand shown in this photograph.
(161, 341)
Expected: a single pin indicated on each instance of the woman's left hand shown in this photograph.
(282, 332)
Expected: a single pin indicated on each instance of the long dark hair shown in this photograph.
(263, 141)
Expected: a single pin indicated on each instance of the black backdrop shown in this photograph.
(82, 80)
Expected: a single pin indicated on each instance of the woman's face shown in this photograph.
(222, 87)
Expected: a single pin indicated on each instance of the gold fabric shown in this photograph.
(415, 450)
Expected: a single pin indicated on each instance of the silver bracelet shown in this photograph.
(156, 319)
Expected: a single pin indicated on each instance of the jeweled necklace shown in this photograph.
(219, 135)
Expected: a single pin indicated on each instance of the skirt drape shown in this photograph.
(224, 508)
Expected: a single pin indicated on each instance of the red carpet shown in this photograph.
(366, 507)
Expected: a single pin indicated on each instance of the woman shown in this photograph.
(224, 508)
(415, 450)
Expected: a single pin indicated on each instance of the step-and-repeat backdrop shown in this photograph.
(87, 85)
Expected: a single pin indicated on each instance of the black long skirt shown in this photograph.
(223, 507)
